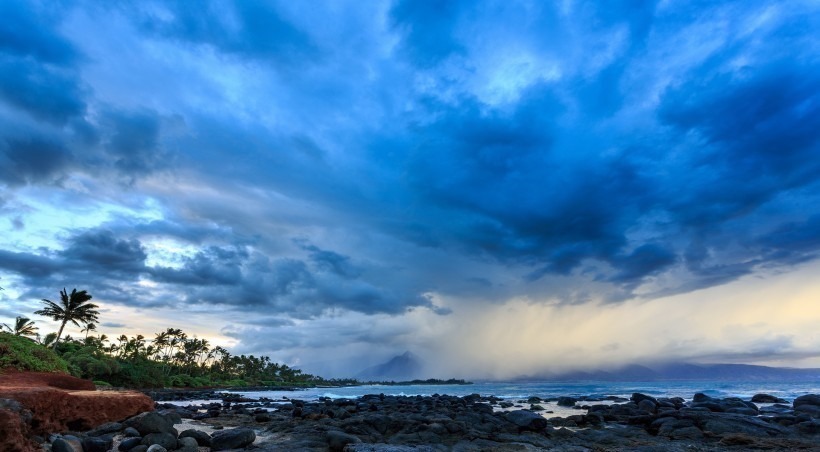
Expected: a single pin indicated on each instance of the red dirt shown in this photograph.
(59, 402)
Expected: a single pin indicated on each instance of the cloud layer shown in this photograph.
(330, 165)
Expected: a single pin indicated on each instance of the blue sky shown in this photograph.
(330, 183)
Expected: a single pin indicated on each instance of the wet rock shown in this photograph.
(67, 444)
(165, 440)
(187, 445)
(201, 438)
(129, 443)
(232, 439)
(337, 440)
(108, 427)
(567, 401)
(97, 444)
(150, 422)
(767, 398)
(527, 420)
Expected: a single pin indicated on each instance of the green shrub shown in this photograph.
(102, 383)
(23, 354)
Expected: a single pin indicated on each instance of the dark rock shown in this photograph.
(150, 422)
(67, 444)
(232, 439)
(527, 420)
(165, 440)
(131, 432)
(767, 398)
(701, 397)
(156, 448)
(172, 416)
(809, 427)
(129, 443)
(337, 440)
(566, 401)
(202, 438)
(96, 444)
(811, 410)
(262, 417)
(648, 405)
(637, 397)
(534, 399)
(108, 427)
(808, 399)
(141, 448)
(743, 410)
(727, 423)
(187, 445)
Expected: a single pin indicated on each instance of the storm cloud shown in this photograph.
(314, 163)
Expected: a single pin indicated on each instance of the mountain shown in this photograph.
(406, 366)
(684, 371)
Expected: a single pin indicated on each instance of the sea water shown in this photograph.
(594, 389)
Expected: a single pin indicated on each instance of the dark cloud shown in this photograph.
(100, 250)
(33, 159)
(253, 29)
(648, 259)
(212, 266)
(28, 264)
(132, 140)
(46, 93)
(113, 325)
(28, 30)
(428, 28)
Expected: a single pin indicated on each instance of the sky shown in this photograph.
(502, 188)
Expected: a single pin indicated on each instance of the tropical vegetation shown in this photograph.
(73, 308)
(23, 354)
(171, 358)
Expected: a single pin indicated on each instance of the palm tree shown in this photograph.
(89, 327)
(23, 326)
(73, 308)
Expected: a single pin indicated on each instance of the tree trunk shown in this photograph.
(59, 333)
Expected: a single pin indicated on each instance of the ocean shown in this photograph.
(597, 389)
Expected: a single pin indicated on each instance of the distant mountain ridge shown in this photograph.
(683, 371)
(406, 366)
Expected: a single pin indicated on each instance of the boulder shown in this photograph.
(648, 405)
(150, 422)
(728, 423)
(129, 443)
(165, 440)
(201, 438)
(67, 444)
(767, 398)
(104, 429)
(97, 444)
(527, 420)
(808, 399)
(637, 397)
(156, 448)
(187, 445)
(171, 416)
(566, 401)
(337, 441)
(236, 438)
(130, 432)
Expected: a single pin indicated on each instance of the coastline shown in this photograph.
(218, 419)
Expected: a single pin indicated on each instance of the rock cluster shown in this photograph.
(151, 431)
(474, 423)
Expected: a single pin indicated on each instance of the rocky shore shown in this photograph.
(473, 423)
